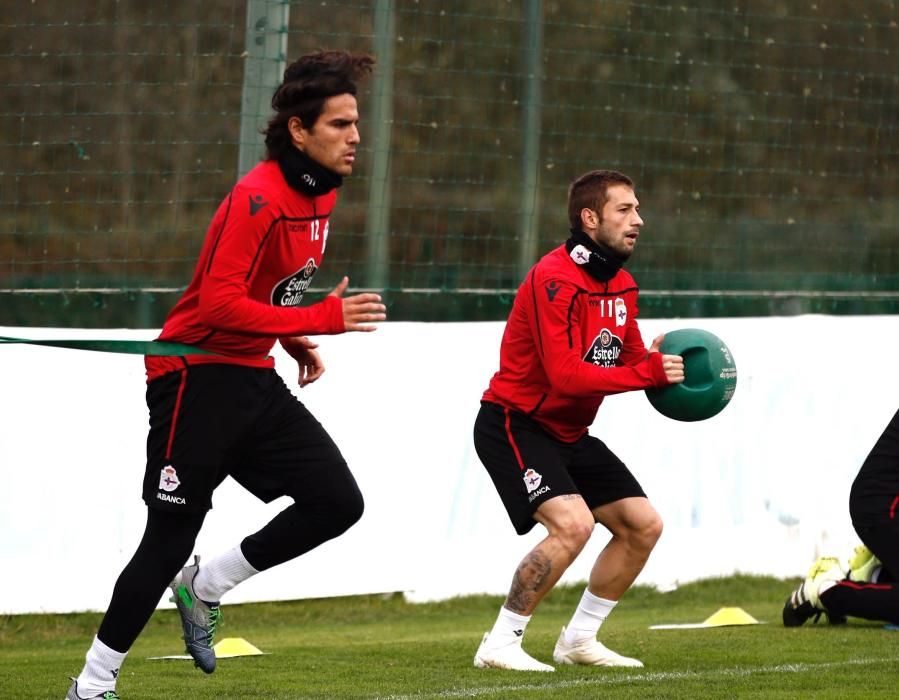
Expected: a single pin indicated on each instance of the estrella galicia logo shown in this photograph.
(552, 288)
(290, 290)
(257, 201)
(605, 350)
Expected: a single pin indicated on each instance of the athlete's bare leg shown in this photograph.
(636, 527)
(569, 523)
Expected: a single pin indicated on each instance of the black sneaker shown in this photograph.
(799, 608)
(805, 601)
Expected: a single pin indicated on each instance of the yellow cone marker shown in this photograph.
(725, 617)
(227, 648)
(235, 646)
(730, 616)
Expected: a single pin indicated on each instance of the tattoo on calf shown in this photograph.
(529, 577)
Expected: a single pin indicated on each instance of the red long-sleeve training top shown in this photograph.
(570, 341)
(262, 249)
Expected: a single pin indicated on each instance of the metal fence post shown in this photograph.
(530, 165)
(377, 218)
(264, 62)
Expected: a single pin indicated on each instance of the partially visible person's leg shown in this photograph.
(569, 525)
(289, 454)
(619, 504)
(327, 502)
(166, 544)
(636, 527)
(200, 418)
(874, 509)
(874, 600)
(528, 470)
(285, 452)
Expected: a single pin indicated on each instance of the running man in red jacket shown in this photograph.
(228, 413)
(571, 340)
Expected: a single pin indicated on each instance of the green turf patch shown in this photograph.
(384, 647)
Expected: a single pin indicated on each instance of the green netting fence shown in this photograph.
(763, 136)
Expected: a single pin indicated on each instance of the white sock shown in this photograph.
(588, 618)
(101, 669)
(509, 627)
(221, 574)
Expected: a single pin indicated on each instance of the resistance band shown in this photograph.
(129, 347)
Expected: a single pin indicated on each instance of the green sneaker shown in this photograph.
(199, 618)
(862, 564)
(73, 694)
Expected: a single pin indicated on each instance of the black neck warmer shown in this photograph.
(600, 262)
(304, 174)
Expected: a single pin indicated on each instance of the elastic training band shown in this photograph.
(127, 347)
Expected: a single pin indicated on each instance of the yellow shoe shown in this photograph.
(825, 572)
(862, 564)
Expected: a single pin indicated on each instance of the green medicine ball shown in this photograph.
(710, 376)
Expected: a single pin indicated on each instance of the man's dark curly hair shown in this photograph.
(308, 82)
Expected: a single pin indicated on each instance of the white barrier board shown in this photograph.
(761, 488)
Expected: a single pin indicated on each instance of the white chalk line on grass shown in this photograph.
(737, 671)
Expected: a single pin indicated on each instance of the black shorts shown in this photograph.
(212, 421)
(528, 466)
(874, 498)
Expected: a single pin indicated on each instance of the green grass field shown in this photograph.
(384, 647)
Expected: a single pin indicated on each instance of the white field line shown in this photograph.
(631, 678)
